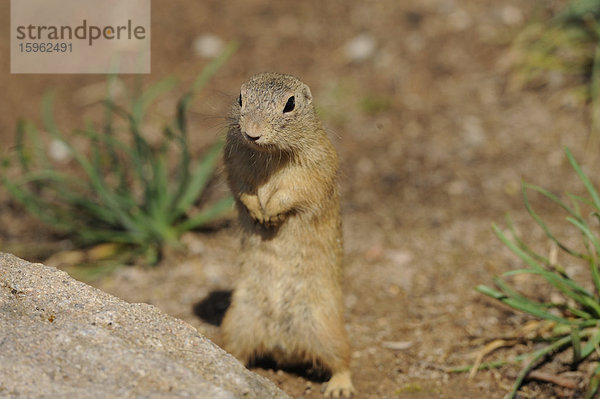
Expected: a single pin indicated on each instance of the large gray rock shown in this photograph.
(60, 338)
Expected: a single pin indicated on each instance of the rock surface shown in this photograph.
(60, 338)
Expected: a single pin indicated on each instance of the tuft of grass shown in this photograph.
(126, 189)
(576, 319)
(567, 42)
(567, 45)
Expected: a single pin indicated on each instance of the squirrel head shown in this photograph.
(274, 112)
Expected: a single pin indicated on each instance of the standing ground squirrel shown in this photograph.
(282, 170)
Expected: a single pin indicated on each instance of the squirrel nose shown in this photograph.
(252, 132)
(251, 137)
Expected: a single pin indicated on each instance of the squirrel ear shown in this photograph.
(307, 94)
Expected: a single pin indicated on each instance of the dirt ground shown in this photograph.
(433, 141)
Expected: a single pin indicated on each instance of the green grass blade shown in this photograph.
(96, 235)
(550, 196)
(531, 261)
(158, 196)
(533, 361)
(115, 109)
(198, 180)
(563, 283)
(519, 302)
(24, 160)
(114, 202)
(492, 293)
(576, 344)
(183, 193)
(142, 103)
(115, 165)
(32, 204)
(541, 223)
(491, 365)
(27, 132)
(594, 383)
(554, 279)
(508, 291)
(584, 179)
(108, 130)
(596, 243)
(568, 287)
(182, 173)
(591, 345)
(140, 151)
(521, 244)
(576, 198)
(534, 309)
(205, 75)
(212, 67)
(595, 92)
(66, 187)
(206, 216)
(48, 116)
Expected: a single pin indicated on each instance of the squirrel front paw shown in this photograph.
(269, 217)
(274, 220)
(268, 220)
(256, 214)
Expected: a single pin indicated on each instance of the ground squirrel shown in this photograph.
(282, 170)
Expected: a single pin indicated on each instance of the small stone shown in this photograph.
(397, 345)
(208, 46)
(360, 47)
(59, 151)
(474, 133)
(511, 15)
(398, 257)
(460, 20)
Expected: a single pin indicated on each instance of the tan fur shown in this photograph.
(282, 171)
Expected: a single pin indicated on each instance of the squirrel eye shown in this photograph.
(240, 99)
(289, 106)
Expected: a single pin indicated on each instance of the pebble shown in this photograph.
(398, 257)
(397, 345)
(459, 20)
(59, 151)
(360, 47)
(208, 45)
(511, 15)
(473, 131)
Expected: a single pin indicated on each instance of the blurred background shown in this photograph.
(438, 109)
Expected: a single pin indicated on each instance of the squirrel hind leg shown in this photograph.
(333, 353)
(241, 342)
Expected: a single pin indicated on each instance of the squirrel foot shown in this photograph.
(339, 386)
